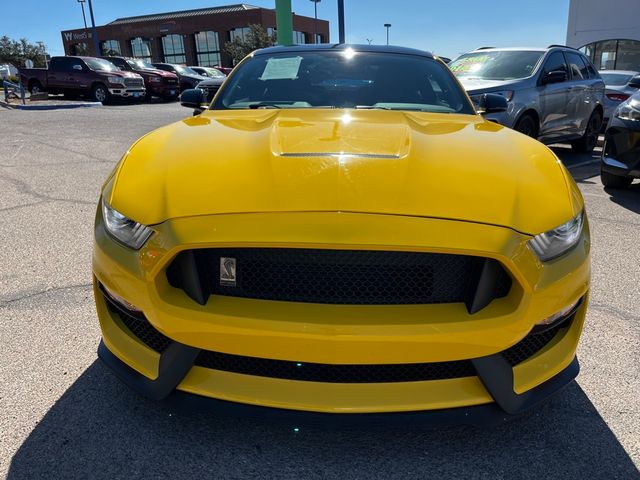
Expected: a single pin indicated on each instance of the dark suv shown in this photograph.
(554, 94)
(186, 77)
(157, 82)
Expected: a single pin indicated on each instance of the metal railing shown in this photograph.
(13, 90)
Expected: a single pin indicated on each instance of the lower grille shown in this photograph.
(344, 277)
(534, 342)
(330, 373)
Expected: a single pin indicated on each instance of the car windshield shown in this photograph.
(616, 79)
(140, 64)
(343, 79)
(496, 65)
(213, 73)
(185, 70)
(100, 64)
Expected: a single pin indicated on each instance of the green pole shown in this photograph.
(284, 22)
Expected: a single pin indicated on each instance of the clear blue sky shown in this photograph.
(446, 27)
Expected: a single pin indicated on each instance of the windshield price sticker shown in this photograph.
(282, 69)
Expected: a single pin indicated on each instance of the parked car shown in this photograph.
(7, 70)
(99, 79)
(620, 85)
(621, 151)
(210, 72)
(209, 88)
(157, 82)
(225, 70)
(554, 94)
(341, 232)
(187, 78)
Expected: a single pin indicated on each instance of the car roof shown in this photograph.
(343, 46)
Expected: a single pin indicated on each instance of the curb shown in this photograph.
(60, 106)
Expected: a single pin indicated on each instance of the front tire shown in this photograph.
(527, 125)
(609, 180)
(35, 87)
(100, 93)
(590, 138)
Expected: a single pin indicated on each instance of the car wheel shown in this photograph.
(609, 180)
(590, 138)
(100, 93)
(527, 125)
(35, 88)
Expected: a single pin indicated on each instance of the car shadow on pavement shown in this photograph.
(628, 198)
(100, 429)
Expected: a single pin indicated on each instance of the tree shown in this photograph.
(16, 52)
(257, 37)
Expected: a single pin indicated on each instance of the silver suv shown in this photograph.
(554, 94)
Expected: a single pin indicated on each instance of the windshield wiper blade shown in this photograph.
(256, 105)
(371, 107)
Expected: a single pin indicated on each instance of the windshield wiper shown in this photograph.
(256, 105)
(371, 107)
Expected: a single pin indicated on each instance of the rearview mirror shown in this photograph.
(556, 76)
(193, 98)
(634, 82)
(492, 103)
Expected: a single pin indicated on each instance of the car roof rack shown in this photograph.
(484, 48)
(561, 46)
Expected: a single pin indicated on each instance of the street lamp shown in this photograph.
(315, 20)
(96, 43)
(387, 26)
(84, 18)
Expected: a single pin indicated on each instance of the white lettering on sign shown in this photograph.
(72, 36)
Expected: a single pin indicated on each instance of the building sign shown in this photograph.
(76, 36)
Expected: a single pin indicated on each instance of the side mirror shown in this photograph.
(492, 103)
(556, 76)
(192, 98)
(634, 82)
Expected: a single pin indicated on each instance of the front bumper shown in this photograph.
(164, 90)
(621, 152)
(342, 334)
(125, 92)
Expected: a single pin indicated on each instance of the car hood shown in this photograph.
(212, 82)
(478, 85)
(372, 161)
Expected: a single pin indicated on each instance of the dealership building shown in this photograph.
(607, 31)
(192, 37)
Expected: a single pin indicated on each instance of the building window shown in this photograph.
(173, 48)
(80, 49)
(614, 54)
(319, 38)
(240, 33)
(207, 49)
(110, 48)
(299, 38)
(141, 48)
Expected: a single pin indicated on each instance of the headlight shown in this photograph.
(118, 80)
(126, 231)
(629, 111)
(507, 94)
(556, 242)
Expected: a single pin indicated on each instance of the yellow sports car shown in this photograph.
(340, 232)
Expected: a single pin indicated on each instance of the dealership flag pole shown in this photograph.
(96, 44)
(283, 22)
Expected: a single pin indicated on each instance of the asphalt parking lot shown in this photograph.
(63, 415)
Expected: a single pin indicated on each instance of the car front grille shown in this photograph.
(210, 92)
(344, 277)
(134, 82)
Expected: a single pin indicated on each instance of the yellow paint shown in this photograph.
(455, 184)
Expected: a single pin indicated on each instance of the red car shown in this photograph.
(157, 82)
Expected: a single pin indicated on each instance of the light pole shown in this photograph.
(341, 21)
(84, 18)
(315, 20)
(96, 43)
(387, 26)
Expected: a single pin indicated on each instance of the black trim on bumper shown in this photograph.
(494, 372)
